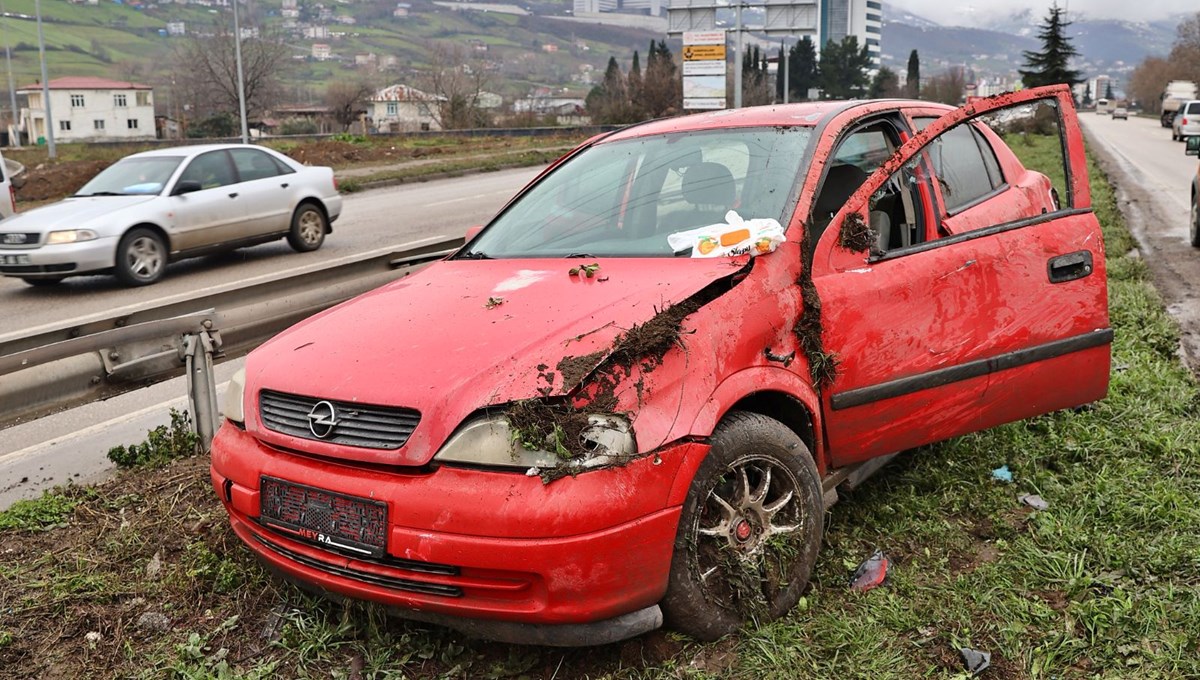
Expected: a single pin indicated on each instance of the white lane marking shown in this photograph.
(139, 306)
(9, 458)
(468, 198)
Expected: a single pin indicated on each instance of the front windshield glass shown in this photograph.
(147, 175)
(624, 198)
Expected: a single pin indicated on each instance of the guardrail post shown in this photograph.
(198, 349)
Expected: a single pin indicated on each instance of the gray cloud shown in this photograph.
(980, 12)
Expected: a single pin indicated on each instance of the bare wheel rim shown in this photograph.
(311, 226)
(144, 257)
(750, 534)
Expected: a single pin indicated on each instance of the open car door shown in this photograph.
(995, 310)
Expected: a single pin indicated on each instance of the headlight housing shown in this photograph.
(69, 236)
(491, 441)
(233, 398)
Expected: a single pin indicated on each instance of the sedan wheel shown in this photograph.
(141, 257)
(1195, 223)
(749, 532)
(308, 228)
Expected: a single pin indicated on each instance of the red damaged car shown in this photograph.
(631, 398)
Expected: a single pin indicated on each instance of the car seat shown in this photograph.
(710, 189)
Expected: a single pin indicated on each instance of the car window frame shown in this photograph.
(251, 150)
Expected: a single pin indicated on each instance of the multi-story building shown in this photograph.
(89, 109)
(862, 19)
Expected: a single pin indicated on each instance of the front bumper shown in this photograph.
(60, 260)
(581, 561)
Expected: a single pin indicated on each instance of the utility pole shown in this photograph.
(737, 60)
(12, 89)
(241, 85)
(37, 8)
(787, 59)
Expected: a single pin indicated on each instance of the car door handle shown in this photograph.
(284, 185)
(233, 195)
(1069, 267)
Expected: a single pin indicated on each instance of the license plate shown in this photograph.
(345, 523)
(14, 259)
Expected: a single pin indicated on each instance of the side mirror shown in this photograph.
(186, 186)
(1192, 147)
(472, 232)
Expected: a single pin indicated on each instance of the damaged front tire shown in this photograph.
(749, 531)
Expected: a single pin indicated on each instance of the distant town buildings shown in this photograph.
(88, 109)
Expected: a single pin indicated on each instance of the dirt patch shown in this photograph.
(822, 366)
(856, 235)
(573, 369)
(55, 180)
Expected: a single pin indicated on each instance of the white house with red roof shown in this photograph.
(89, 109)
(400, 108)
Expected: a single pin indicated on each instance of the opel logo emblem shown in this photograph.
(322, 419)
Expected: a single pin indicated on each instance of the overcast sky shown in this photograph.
(979, 12)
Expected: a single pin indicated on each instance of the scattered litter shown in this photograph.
(533, 472)
(154, 566)
(1034, 501)
(871, 573)
(1002, 474)
(493, 302)
(736, 236)
(93, 637)
(976, 660)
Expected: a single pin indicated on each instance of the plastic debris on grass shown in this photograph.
(977, 661)
(871, 573)
(1002, 474)
(1034, 501)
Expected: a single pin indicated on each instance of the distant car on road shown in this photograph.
(1187, 121)
(155, 207)
(1193, 149)
(1120, 112)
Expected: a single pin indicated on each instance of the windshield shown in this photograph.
(147, 175)
(623, 199)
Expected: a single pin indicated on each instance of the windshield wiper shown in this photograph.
(99, 193)
(477, 255)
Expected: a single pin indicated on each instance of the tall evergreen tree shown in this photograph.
(913, 85)
(634, 85)
(843, 70)
(802, 69)
(1108, 93)
(662, 91)
(1051, 65)
(885, 84)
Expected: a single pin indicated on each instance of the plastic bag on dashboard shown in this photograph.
(736, 236)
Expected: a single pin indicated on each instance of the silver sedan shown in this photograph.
(155, 207)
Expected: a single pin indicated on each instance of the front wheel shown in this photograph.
(141, 257)
(749, 531)
(1195, 223)
(308, 228)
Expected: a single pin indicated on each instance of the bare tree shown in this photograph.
(947, 88)
(457, 79)
(1147, 83)
(206, 65)
(347, 98)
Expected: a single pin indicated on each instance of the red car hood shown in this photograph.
(465, 334)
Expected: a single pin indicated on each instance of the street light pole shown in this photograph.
(737, 60)
(787, 60)
(12, 89)
(37, 8)
(241, 85)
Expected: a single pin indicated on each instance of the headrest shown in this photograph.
(841, 182)
(709, 184)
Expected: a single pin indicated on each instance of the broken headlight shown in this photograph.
(492, 441)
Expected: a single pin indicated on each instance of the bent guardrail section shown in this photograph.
(53, 368)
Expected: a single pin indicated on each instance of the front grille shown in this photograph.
(369, 427)
(18, 239)
(363, 576)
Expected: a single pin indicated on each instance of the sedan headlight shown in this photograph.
(70, 236)
(233, 397)
(491, 441)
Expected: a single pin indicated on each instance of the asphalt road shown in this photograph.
(1153, 179)
(370, 220)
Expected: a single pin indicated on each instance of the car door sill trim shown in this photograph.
(970, 369)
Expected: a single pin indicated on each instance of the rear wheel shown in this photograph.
(308, 228)
(141, 257)
(749, 531)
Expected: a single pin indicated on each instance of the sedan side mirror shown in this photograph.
(1192, 148)
(186, 186)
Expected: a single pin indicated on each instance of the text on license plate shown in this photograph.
(346, 523)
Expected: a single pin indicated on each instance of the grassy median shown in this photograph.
(141, 577)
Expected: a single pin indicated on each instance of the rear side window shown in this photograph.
(1193, 107)
(966, 166)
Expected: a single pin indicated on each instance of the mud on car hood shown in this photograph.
(466, 334)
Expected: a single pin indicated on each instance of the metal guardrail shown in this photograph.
(51, 369)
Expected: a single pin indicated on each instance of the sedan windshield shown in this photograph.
(624, 198)
(147, 175)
